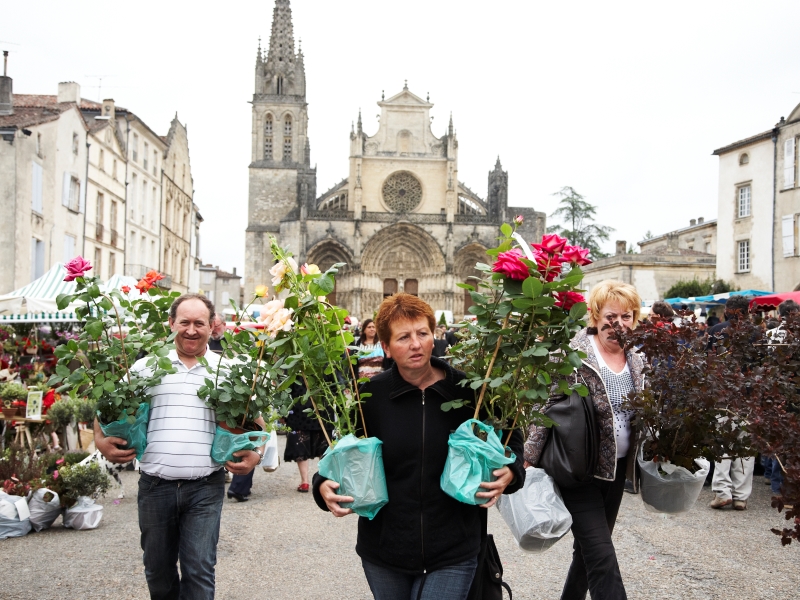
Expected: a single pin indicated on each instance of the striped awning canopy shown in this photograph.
(38, 296)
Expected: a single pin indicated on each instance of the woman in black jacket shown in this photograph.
(423, 543)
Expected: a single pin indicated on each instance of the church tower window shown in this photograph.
(268, 138)
(279, 86)
(287, 139)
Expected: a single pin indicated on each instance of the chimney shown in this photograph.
(692, 222)
(6, 92)
(700, 220)
(234, 270)
(69, 91)
(108, 108)
(672, 242)
(621, 247)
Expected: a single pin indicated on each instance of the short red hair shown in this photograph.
(401, 307)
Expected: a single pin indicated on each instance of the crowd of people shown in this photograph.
(423, 543)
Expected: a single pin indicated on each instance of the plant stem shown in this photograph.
(491, 366)
(352, 372)
(255, 379)
(511, 429)
(316, 411)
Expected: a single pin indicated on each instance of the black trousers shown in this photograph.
(594, 507)
(241, 484)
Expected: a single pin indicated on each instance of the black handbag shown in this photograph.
(571, 452)
(488, 582)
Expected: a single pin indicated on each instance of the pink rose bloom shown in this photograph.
(55, 474)
(567, 300)
(551, 243)
(77, 267)
(576, 255)
(510, 265)
(519, 219)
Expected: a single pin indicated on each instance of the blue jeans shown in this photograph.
(180, 520)
(776, 477)
(766, 462)
(448, 583)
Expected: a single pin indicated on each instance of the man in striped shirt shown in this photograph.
(181, 489)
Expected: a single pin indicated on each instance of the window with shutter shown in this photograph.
(787, 233)
(743, 256)
(69, 247)
(788, 164)
(65, 189)
(74, 194)
(744, 201)
(36, 188)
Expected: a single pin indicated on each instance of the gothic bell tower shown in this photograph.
(282, 182)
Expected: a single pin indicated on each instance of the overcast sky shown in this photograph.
(623, 101)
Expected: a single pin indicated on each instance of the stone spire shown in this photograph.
(280, 56)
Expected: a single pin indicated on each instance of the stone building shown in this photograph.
(681, 255)
(90, 178)
(759, 208)
(221, 287)
(179, 214)
(43, 166)
(400, 221)
(106, 191)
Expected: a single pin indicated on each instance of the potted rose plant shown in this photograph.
(316, 351)
(528, 308)
(115, 331)
(246, 383)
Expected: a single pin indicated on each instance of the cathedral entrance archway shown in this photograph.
(404, 253)
(327, 253)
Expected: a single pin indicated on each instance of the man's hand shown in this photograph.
(108, 447)
(496, 487)
(328, 492)
(250, 460)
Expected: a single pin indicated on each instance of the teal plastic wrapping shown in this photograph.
(226, 443)
(136, 434)
(470, 461)
(357, 466)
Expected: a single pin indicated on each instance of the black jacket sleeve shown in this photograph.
(315, 483)
(516, 443)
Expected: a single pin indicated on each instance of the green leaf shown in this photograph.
(464, 286)
(578, 311)
(512, 286)
(62, 370)
(506, 230)
(164, 363)
(322, 286)
(574, 360)
(63, 300)
(532, 287)
(94, 329)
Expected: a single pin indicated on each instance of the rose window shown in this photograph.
(402, 192)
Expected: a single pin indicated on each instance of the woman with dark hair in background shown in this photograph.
(370, 352)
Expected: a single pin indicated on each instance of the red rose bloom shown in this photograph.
(125, 289)
(510, 265)
(551, 243)
(576, 255)
(567, 300)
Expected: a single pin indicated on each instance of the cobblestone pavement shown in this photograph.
(280, 546)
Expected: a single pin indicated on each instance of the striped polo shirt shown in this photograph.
(181, 427)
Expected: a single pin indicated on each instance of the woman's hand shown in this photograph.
(332, 500)
(496, 487)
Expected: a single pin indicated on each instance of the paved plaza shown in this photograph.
(280, 546)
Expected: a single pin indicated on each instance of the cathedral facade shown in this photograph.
(401, 220)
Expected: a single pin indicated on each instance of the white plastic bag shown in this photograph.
(271, 462)
(14, 516)
(673, 491)
(43, 514)
(84, 515)
(536, 514)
